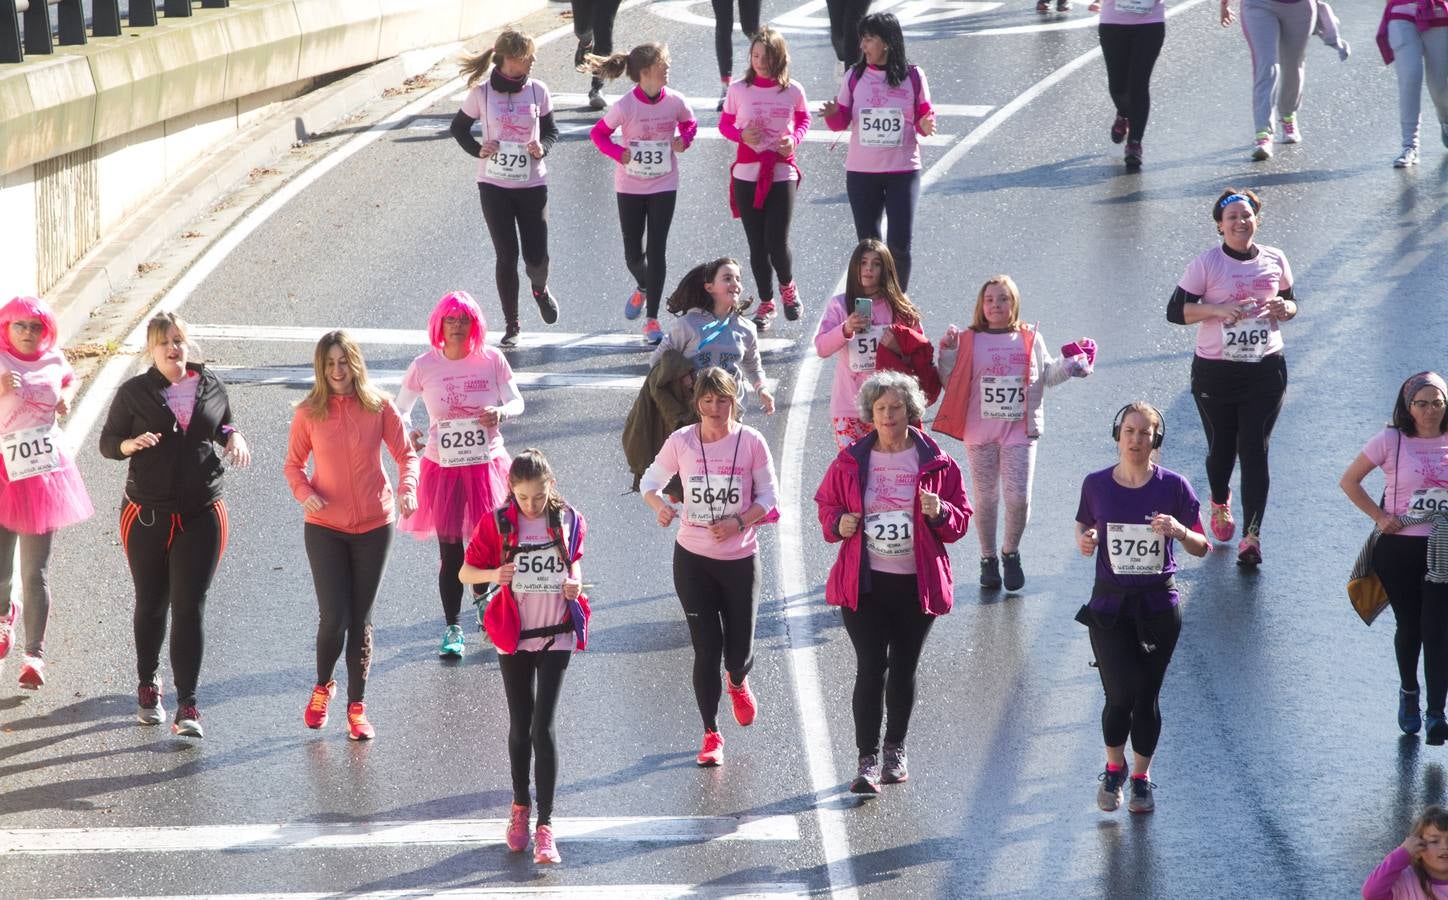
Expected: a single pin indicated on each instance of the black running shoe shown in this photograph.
(547, 306)
(1015, 576)
(510, 336)
(1142, 800)
(867, 776)
(990, 572)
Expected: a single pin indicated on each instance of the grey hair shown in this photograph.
(904, 385)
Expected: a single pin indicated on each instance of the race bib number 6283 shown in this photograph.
(461, 442)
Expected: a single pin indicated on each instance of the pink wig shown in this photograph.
(28, 308)
(452, 303)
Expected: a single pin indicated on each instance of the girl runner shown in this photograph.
(1418, 867)
(468, 390)
(530, 549)
(657, 124)
(518, 130)
(40, 487)
(728, 479)
(711, 329)
(342, 425)
(1131, 34)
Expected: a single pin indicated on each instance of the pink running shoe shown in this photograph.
(712, 753)
(764, 315)
(1223, 525)
(545, 852)
(1249, 551)
(743, 699)
(32, 673)
(789, 293)
(358, 728)
(316, 713)
(7, 628)
(517, 833)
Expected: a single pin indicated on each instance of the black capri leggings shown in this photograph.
(593, 19)
(346, 571)
(896, 194)
(845, 16)
(721, 602)
(532, 682)
(652, 214)
(1421, 610)
(724, 24)
(517, 218)
(888, 629)
(767, 231)
(1130, 52)
(1239, 403)
(1132, 678)
(173, 557)
(450, 561)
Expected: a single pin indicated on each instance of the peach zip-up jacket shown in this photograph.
(346, 451)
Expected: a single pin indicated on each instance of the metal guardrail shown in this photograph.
(39, 37)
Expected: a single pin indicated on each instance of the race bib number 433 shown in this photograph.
(1135, 549)
(29, 452)
(649, 159)
(510, 163)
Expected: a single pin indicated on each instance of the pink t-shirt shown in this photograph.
(540, 610)
(1421, 465)
(457, 389)
(1002, 356)
(1112, 15)
(32, 405)
(511, 118)
(720, 479)
(773, 111)
(874, 93)
(181, 397)
(1218, 278)
(889, 488)
(642, 120)
(830, 340)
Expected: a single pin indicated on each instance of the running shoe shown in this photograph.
(1223, 525)
(545, 852)
(764, 315)
(452, 642)
(990, 572)
(1109, 795)
(653, 333)
(149, 710)
(517, 831)
(358, 728)
(1043, 6)
(1141, 799)
(188, 721)
(1437, 728)
(1015, 576)
(1410, 716)
(1133, 155)
(1119, 126)
(1249, 550)
(742, 698)
(897, 767)
(7, 628)
(712, 753)
(510, 336)
(595, 95)
(1409, 157)
(723, 93)
(867, 776)
(1063, 5)
(1290, 132)
(789, 293)
(1262, 149)
(315, 714)
(32, 673)
(634, 304)
(547, 306)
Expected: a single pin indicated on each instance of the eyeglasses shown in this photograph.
(1429, 404)
(457, 320)
(32, 327)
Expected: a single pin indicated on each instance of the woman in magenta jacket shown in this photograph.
(893, 500)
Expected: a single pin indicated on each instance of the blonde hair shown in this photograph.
(315, 403)
(776, 56)
(633, 63)
(978, 322)
(509, 45)
(160, 324)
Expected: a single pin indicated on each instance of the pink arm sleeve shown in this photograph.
(728, 128)
(602, 135)
(1379, 885)
(687, 131)
(801, 125)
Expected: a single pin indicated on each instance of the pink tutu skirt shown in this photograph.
(451, 501)
(44, 503)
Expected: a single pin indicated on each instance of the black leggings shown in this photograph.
(1130, 52)
(346, 572)
(530, 720)
(767, 231)
(845, 16)
(724, 24)
(513, 215)
(721, 602)
(1132, 679)
(593, 19)
(651, 213)
(173, 557)
(1421, 610)
(888, 629)
(448, 587)
(1239, 403)
(896, 194)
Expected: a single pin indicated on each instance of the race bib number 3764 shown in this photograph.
(1135, 549)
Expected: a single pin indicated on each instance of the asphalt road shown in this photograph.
(1281, 770)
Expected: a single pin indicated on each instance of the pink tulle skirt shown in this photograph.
(43, 503)
(451, 501)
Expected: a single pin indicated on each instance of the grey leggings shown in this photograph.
(1277, 35)
(1413, 52)
(993, 468)
(34, 557)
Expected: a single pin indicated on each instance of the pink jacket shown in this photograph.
(843, 491)
(346, 449)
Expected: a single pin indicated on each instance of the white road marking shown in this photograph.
(301, 376)
(561, 340)
(813, 136)
(332, 836)
(703, 104)
(603, 891)
(810, 18)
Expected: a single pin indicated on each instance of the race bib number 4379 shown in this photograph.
(510, 163)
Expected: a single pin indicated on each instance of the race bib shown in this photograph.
(510, 163)
(30, 452)
(649, 159)
(1246, 341)
(1135, 549)
(709, 498)
(882, 127)
(890, 534)
(1135, 7)
(864, 346)
(1002, 397)
(539, 572)
(461, 442)
(1426, 501)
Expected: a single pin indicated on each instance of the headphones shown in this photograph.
(1156, 438)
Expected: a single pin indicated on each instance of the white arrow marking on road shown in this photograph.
(550, 340)
(302, 376)
(621, 891)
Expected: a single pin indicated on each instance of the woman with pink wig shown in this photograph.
(468, 389)
(40, 488)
